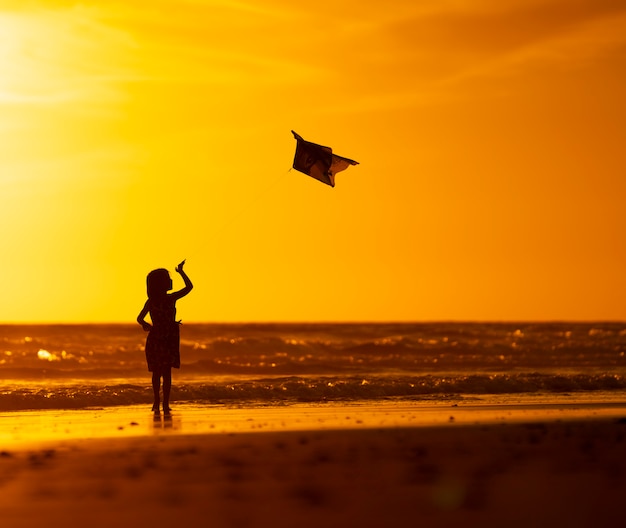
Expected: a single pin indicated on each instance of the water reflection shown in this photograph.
(165, 421)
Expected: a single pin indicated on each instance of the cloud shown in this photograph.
(456, 39)
(500, 26)
(366, 53)
(426, 52)
(222, 43)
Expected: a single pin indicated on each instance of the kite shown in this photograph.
(318, 162)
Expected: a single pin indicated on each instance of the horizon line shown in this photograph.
(322, 322)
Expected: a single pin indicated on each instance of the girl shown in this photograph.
(163, 341)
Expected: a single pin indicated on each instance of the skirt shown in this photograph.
(163, 348)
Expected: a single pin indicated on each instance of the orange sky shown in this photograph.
(490, 137)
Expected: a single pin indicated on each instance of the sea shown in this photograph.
(103, 365)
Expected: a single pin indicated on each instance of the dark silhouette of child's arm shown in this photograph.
(188, 285)
(141, 318)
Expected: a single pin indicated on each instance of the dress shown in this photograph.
(163, 341)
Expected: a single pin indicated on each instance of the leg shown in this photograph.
(167, 385)
(156, 388)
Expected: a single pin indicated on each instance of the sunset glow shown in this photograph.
(489, 137)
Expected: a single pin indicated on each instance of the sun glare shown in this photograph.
(30, 52)
(60, 56)
(11, 31)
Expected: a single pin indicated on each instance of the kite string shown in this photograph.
(255, 199)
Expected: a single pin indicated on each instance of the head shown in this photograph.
(158, 282)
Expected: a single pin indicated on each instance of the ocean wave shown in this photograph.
(277, 390)
(315, 349)
(77, 366)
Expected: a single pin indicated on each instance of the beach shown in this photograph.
(539, 463)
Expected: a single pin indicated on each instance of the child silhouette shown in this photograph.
(163, 341)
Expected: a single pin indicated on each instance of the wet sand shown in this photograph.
(313, 465)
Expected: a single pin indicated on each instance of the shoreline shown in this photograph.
(28, 429)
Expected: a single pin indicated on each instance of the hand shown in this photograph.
(179, 268)
(146, 326)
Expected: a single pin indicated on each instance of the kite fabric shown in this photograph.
(318, 162)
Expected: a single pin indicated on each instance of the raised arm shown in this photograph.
(188, 285)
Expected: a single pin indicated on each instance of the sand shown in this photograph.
(314, 465)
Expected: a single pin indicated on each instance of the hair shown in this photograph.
(158, 282)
